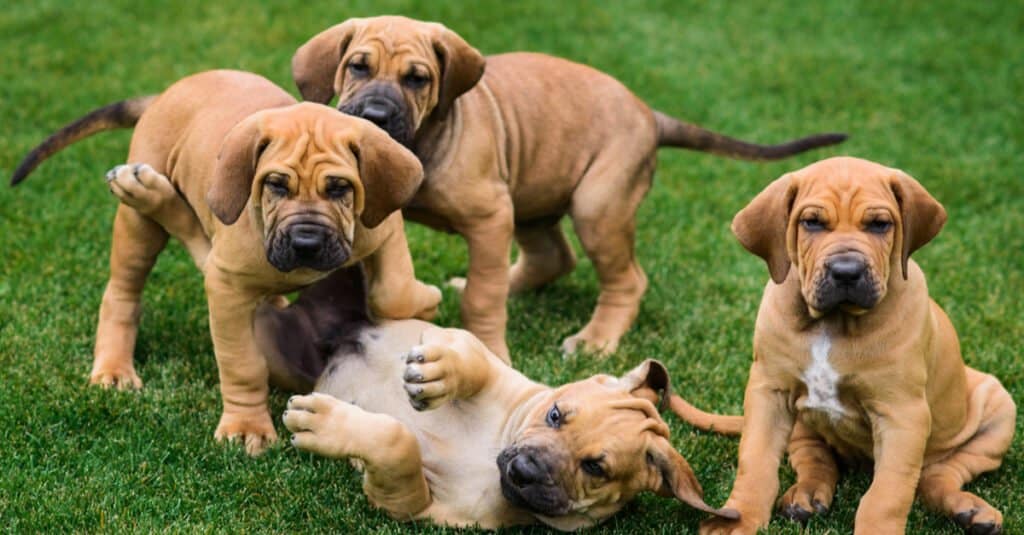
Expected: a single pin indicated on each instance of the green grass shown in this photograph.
(933, 88)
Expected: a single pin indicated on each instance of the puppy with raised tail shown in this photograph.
(274, 196)
(853, 358)
(510, 149)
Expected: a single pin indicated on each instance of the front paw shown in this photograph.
(119, 377)
(253, 429)
(724, 526)
(429, 377)
(430, 299)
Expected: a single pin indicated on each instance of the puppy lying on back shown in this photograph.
(274, 196)
(852, 358)
(446, 431)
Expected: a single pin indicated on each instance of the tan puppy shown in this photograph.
(851, 357)
(445, 431)
(318, 191)
(508, 152)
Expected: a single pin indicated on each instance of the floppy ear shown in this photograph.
(233, 173)
(315, 64)
(677, 479)
(462, 66)
(390, 174)
(922, 215)
(649, 380)
(762, 225)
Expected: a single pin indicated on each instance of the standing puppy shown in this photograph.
(508, 153)
(318, 190)
(851, 357)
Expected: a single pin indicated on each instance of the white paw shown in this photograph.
(457, 283)
(141, 187)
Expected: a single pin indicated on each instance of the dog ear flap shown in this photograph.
(650, 381)
(389, 172)
(762, 225)
(678, 480)
(922, 216)
(233, 173)
(315, 64)
(462, 66)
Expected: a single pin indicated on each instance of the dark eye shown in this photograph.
(415, 80)
(879, 226)
(337, 189)
(554, 418)
(812, 224)
(277, 184)
(593, 467)
(359, 68)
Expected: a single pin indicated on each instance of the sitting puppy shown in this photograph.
(508, 152)
(851, 357)
(319, 190)
(444, 430)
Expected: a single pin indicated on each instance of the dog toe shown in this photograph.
(796, 513)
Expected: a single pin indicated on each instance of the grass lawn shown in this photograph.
(933, 88)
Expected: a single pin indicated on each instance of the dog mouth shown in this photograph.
(526, 483)
(307, 244)
(845, 282)
(384, 107)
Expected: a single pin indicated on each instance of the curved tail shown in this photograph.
(123, 114)
(716, 423)
(675, 133)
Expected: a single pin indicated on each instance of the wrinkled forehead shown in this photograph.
(393, 37)
(310, 134)
(846, 184)
(592, 408)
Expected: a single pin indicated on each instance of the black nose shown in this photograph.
(307, 238)
(525, 470)
(846, 270)
(377, 112)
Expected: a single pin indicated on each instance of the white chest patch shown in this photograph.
(822, 380)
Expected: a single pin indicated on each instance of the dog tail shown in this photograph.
(716, 423)
(123, 114)
(675, 133)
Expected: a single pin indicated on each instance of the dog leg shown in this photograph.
(992, 412)
(900, 430)
(603, 211)
(136, 244)
(544, 255)
(486, 294)
(448, 364)
(390, 454)
(153, 195)
(394, 291)
(767, 423)
(243, 369)
(816, 475)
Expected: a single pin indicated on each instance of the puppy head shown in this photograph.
(589, 447)
(308, 173)
(846, 224)
(393, 71)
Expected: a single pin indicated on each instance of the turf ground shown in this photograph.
(931, 87)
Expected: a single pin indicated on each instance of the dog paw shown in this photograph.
(317, 422)
(977, 517)
(585, 343)
(431, 299)
(804, 500)
(151, 194)
(429, 376)
(723, 526)
(253, 430)
(121, 378)
(457, 283)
